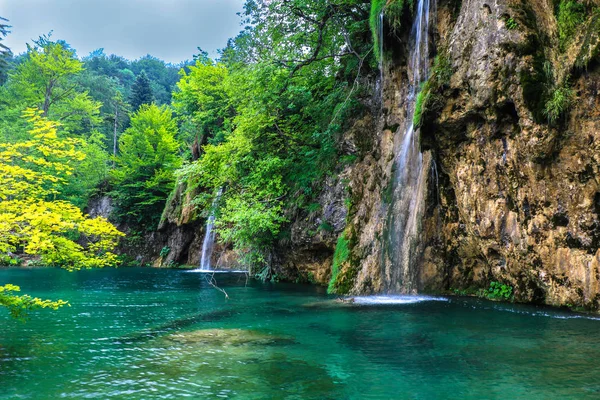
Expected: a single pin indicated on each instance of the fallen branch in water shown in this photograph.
(213, 282)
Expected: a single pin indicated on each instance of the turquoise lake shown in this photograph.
(134, 333)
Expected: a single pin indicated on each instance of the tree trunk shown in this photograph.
(115, 134)
(47, 98)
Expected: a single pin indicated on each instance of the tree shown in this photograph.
(5, 52)
(120, 109)
(148, 156)
(46, 80)
(141, 92)
(203, 100)
(46, 73)
(32, 223)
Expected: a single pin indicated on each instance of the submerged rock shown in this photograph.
(227, 337)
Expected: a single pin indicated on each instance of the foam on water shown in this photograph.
(374, 300)
(213, 271)
(556, 314)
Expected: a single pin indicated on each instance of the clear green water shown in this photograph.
(145, 333)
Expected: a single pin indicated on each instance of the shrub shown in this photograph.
(511, 24)
(165, 251)
(498, 291)
(559, 102)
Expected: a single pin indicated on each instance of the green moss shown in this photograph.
(376, 8)
(590, 47)
(421, 101)
(341, 255)
(345, 280)
(570, 15)
(393, 12)
(429, 98)
(511, 23)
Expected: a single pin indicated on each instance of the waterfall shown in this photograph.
(406, 209)
(209, 235)
(380, 34)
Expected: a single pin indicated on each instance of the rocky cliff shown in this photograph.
(510, 138)
(508, 125)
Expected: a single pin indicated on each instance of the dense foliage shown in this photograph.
(33, 222)
(143, 177)
(33, 173)
(4, 51)
(272, 113)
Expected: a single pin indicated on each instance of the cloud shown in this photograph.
(168, 29)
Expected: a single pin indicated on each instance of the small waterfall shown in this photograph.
(406, 209)
(209, 236)
(380, 34)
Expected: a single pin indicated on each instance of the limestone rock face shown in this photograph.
(525, 190)
(181, 232)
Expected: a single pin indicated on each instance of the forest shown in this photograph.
(263, 123)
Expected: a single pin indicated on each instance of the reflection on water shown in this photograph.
(144, 333)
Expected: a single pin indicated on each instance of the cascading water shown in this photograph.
(406, 209)
(209, 236)
(380, 34)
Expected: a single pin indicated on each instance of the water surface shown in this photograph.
(135, 333)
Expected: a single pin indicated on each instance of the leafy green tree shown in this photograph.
(203, 100)
(90, 172)
(148, 156)
(120, 117)
(45, 79)
(141, 92)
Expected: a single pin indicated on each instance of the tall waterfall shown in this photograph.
(406, 209)
(209, 236)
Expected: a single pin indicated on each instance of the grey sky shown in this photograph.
(168, 29)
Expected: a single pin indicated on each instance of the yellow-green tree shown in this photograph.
(32, 222)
